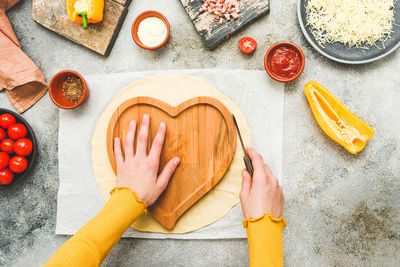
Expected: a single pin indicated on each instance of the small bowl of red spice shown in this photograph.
(284, 61)
(68, 89)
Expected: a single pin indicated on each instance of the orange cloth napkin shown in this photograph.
(22, 79)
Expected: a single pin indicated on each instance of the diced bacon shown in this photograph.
(221, 9)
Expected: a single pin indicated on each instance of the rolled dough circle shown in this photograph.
(174, 89)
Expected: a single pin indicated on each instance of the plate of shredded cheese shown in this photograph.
(351, 31)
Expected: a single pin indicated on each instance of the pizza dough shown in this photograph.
(174, 89)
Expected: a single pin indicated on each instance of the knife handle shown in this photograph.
(248, 164)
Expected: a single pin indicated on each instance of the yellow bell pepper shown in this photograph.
(85, 11)
(336, 120)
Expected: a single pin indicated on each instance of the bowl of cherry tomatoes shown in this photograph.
(18, 148)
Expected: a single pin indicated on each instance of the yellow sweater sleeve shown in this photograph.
(265, 240)
(95, 240)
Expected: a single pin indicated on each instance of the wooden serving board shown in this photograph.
(200, 131)
(99, 37)
(213, 33)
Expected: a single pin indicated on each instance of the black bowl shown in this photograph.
(32, 157)
(342, 53)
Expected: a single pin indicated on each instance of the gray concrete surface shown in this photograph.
(342, 210)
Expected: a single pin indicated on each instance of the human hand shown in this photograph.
(139, 171)
(262, 193)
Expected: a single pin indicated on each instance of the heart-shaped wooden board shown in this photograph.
(200, 131)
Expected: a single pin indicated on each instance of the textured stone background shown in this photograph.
(342, 210)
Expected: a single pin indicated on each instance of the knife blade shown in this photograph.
(246, 157)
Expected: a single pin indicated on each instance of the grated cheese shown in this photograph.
(351, 22)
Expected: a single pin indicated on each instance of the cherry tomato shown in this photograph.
(23, 147)
(7, 146)
(6, 176)
(247, 45)
(6, 120)
(4, 158)
(18, 164)
(3, 135)
(17, 131)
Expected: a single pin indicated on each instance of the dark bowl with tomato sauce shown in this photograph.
(30, 158)
(284, 61)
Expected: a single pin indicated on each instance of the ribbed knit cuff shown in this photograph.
(265, 240)
(130, 197)
(250, 222)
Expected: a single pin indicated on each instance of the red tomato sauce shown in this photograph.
(285, 62)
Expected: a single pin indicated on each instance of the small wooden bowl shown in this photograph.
(31, 158)
(56, 91)
(135, 26)
(269, 53)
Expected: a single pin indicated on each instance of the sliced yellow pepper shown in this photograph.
(85, 11)
(336, 120)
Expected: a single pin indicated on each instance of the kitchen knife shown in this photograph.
(246, 157)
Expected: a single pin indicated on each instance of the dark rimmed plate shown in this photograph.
(341, 53)
(32, 157)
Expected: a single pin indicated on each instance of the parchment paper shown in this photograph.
(79, 199)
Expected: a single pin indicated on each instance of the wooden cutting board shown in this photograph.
(200, 131)
(99, 37)
(213, 33)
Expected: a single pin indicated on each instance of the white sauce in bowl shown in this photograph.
(152, 31)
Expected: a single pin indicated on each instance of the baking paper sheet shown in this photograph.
(259, 97)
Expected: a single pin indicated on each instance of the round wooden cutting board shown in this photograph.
(200, 131)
